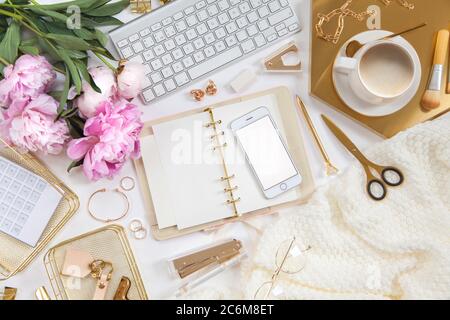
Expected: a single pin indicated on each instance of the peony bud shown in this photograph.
(88, 102)
(130, 79)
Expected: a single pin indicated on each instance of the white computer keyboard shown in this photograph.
(27, 202)
(187, 40)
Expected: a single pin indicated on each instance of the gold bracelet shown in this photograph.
(108, 220)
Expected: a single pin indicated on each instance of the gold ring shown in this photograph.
(108, 220)
(123, 183)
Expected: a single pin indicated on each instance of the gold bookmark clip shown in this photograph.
(141, 6)
(275, 62)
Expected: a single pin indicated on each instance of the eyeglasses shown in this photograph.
(290, 259)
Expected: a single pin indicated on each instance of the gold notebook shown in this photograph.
(194, 175)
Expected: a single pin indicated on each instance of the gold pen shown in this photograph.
(330, 168)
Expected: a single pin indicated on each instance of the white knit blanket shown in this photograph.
(361, 249)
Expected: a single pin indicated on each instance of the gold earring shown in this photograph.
(211, 88)
(198, 94)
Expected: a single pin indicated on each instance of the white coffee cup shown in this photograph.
(381, 70)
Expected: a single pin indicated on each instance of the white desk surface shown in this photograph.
(150, 253)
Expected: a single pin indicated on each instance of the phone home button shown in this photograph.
(283, 186)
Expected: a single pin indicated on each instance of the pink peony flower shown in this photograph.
(130, 79)
(30, 125)
(28, 77)
(88, 102)
(112, 137)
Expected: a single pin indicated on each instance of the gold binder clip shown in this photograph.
(189, 264)
(141, 6)
(222, 133)
(275, 62)
(231, 189)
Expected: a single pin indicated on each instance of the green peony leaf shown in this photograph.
(109, 9)
(9, 47)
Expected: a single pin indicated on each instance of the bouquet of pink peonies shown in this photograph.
(92, 113)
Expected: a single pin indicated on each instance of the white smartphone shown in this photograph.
(266, 152)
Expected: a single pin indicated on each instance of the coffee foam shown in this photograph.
(386, 70)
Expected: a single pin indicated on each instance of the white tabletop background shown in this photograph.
(151, 254)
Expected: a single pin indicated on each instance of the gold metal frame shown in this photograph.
(86, 242)
(15, 256)
(394, 18)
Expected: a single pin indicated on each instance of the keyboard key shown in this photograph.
(148, 95)
(274, 6)
(148, 42)
(177, 16)
(215, 63)
(122, 43)
(202, 15)
(263, 11)
(156, 77)
(252, 17)
(209, 52)
(202, 29)
(181, 26)
(231, 27)
(159, 90)
(234, 13)
(127, 52)
(138, 47)
(252, 30)
(241, 35)
(170, 32)
(177, 54)
(188, 49)
(170, 85)
(255, 3)
(209, 38)
(156, 64)
(189, 10)
(167, 72)
(134, 37)
(244, 7)
(199, 56)
(220, 33)
(198, 44)
(283, 32)
(231, 41)
(177, 67)
(148, 55)
(170, 45)
(180, 39)
(160, 36)
(213, 23)
(144, 32)
(212, 10)
(188, 62)
(156, 27)
(263, 25)
(223, 18)
(248, 46)
(191, 34)
(181, 79)
(280, 16)
(191, 21)
(223, 5)
(200, 5)
(220, 46)
(159, 50)
(167, 21)
(242, 22)
(260, 40)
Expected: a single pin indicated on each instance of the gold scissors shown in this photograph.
(376, 188)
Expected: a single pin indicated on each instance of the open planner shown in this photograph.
(196, 171)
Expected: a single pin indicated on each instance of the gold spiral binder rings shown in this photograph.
(220, 145)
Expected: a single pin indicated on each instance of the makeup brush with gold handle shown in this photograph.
(432, 97)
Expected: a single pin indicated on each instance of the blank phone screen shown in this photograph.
(266, 152)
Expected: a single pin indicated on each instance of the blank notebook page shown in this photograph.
(184, 171)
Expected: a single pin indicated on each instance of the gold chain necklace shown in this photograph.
(343, 12)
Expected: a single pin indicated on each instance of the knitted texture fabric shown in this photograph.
(398, 248)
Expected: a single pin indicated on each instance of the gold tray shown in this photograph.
(109, 244)
(15, 256)
(393, 17)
